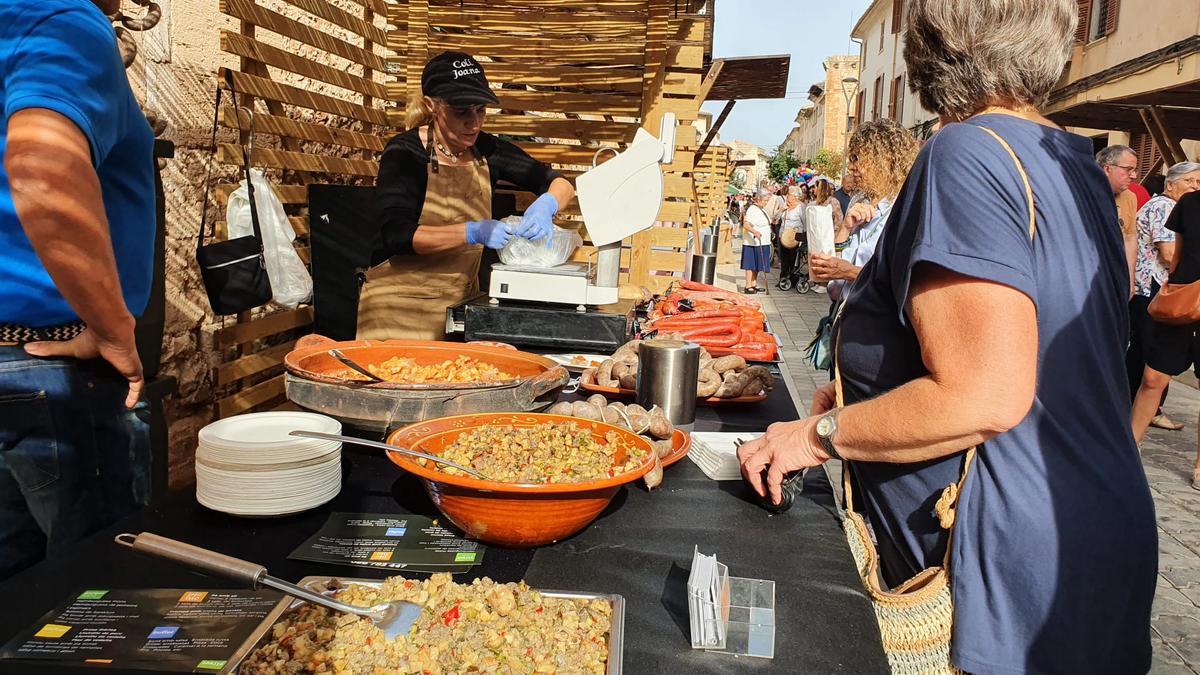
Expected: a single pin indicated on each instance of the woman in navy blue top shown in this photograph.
(964, 331)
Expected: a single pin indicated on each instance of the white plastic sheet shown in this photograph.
(290, 280)
(820, 229)
(522, 252)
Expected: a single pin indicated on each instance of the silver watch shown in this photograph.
(826, 428)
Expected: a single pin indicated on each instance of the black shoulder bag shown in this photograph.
(234, 271)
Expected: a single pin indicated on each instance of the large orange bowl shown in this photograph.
(514, 515)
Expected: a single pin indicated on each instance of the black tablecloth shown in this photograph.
(641, 548)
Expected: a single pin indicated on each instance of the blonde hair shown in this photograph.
(883, 152)
(416, 114)
(822, 191)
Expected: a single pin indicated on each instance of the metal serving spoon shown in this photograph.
(394, 618)
(390, 448)
(350, 363)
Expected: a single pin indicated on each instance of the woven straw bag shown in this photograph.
(916, 619)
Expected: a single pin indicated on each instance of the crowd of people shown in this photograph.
(995, 331)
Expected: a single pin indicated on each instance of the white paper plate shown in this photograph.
(263, 432)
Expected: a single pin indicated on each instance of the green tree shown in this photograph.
(738, 180)
(780, 164)
(828, 162)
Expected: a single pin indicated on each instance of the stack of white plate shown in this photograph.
(249, 465)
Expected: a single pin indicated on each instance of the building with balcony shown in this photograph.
(883, 75)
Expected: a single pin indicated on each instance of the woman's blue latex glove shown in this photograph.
(539, 219)
(490, 233)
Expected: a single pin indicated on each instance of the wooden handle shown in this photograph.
(203, 560)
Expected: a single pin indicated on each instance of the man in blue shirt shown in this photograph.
(76, 238)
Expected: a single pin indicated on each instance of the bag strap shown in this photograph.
(948, 501)
(212, 151)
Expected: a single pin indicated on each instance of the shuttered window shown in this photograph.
(1106, 22)
(897, 15)
(1085, 21)
(1147, 153)
(898, 95)
(892, 101)
(877, 101)
(860, 107)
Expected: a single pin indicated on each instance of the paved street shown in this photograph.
(1167, 457)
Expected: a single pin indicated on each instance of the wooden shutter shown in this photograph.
(899, 96)
(1111, 13)
(1085, 21)
(877, 103)
(860, 108)
(892, 100)
(897, 15)
(1147, 153)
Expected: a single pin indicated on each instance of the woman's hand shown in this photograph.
(491, 233)
(824, 400)
(830, 268)
(785, 448)
(858, 214)
(539, 219)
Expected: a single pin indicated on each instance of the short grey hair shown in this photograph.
(1112, 155)
(797, 191)
(762, 193)
(1178, 171)
(964, 55)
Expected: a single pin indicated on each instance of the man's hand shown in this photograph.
(824, 400)
(785, 448)
(830, 268)
(120, 352)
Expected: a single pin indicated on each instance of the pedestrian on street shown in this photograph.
(1120, 167)
(77, 226)
(791, 236)
(846, 191)
(971, 356)
(756, 240)
(1156, 249)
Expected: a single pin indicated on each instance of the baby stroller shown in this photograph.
(796, 275)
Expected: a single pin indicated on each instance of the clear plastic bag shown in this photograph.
(290, 280)
(525, 253)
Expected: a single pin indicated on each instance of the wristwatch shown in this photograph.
(826, 428)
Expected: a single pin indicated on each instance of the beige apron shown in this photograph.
(406, 297)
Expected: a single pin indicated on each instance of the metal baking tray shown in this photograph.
(616, 632)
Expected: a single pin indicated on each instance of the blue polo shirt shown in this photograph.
(61, 55)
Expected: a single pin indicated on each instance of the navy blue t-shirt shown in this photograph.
(61, 55)
(1055, 548)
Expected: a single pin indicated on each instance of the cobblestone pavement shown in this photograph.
(1166, 455)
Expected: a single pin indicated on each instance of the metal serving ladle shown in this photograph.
(353, 365)
(394, 618)
(390, 448)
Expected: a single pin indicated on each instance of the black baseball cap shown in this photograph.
(456, 78)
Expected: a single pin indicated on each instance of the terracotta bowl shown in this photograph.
(513, 515)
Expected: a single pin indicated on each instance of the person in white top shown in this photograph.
(756, 240)
(790, 236)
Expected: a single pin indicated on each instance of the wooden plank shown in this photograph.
(564, 102)
(377, 6)
(242, 333)
(541, 21)
(339, 17)
(685, 56)
(573, 78)
(299, 226)
(251, 13)
(629, 6)
(253, 49)
(253, 364)
(540, 50)
(283, 93)
(416, 48)
(229, 153)
(675, 212)
(552, 127)
(675, 237)
(317, 133)
(288, 194)
(251, 397)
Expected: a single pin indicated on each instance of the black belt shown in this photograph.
(14, 334)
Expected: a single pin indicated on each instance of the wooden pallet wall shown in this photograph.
(314, 74)
(574, 77)
(329, 87)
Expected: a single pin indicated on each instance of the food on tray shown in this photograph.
(543, 453)
(652, 425)
(581, 360)
(722, 321)
(723, 377)
(479, 627)
(463, 370)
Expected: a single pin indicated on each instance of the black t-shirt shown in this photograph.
(1185, 222)
(404, 176)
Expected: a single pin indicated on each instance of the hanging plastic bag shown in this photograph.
(819, 220)
(290, 280)
(522, 252)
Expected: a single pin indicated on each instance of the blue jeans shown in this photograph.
(73, 460)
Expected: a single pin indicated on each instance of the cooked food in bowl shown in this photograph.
(404, 370)
(478, 627)
(543, 453)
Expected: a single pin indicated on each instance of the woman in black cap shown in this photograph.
(434, 194)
